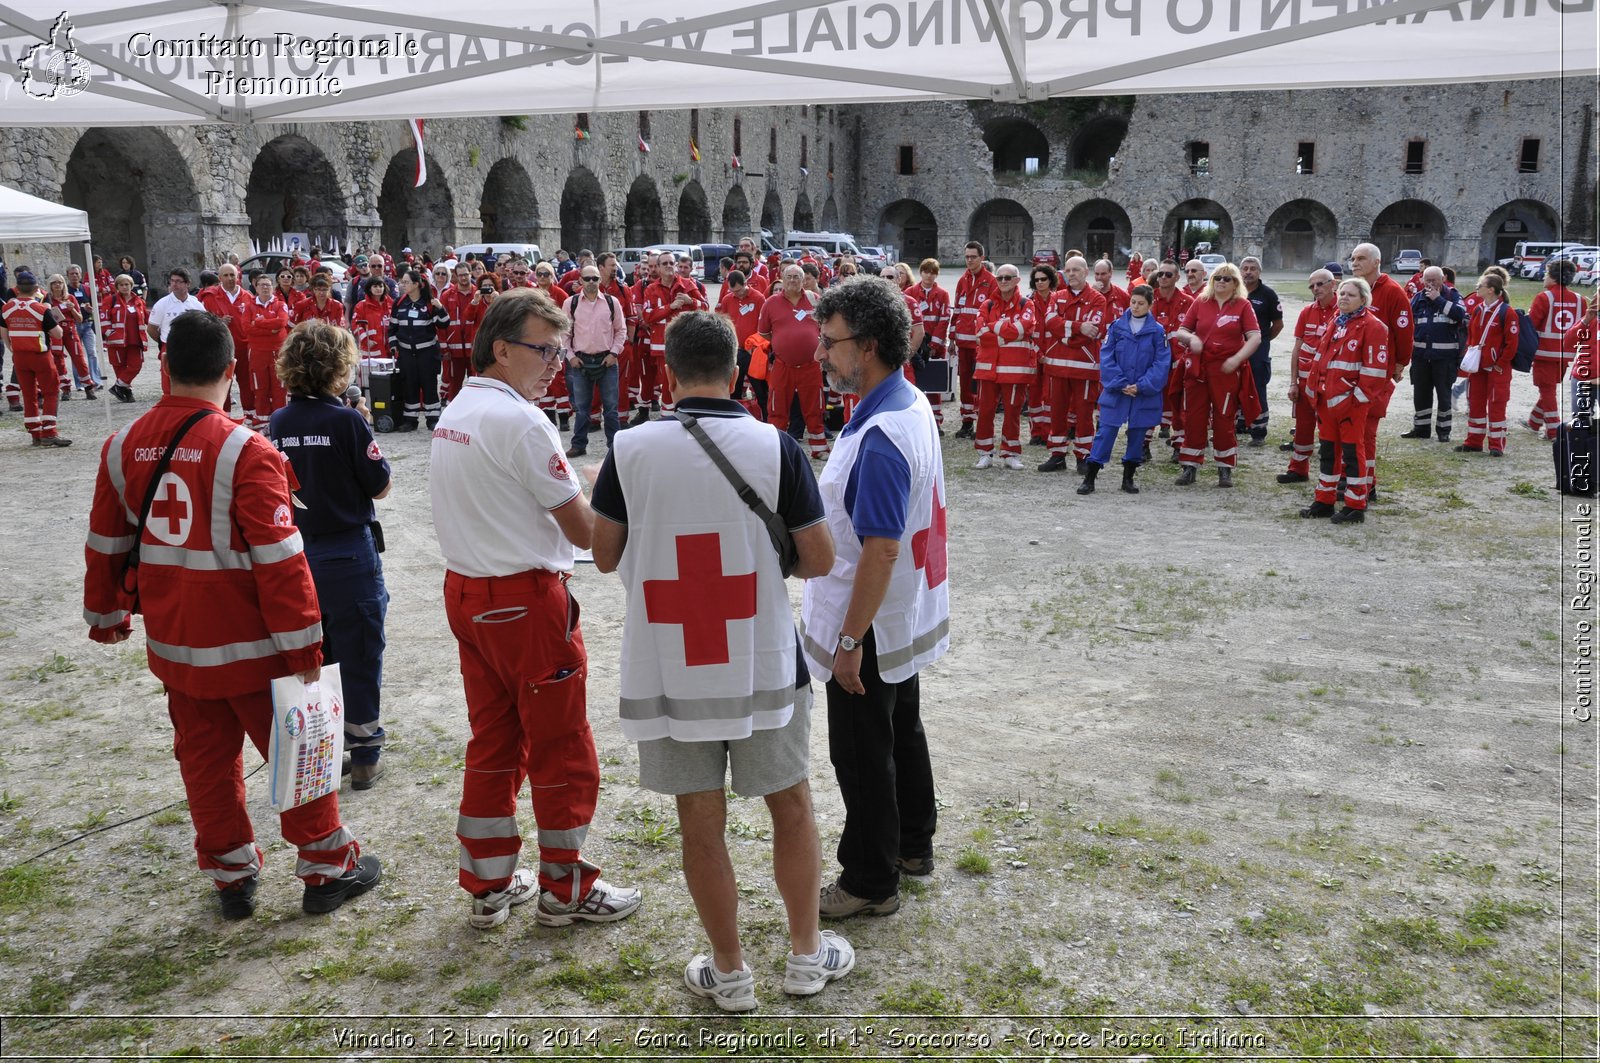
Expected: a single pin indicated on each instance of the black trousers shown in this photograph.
(419, 372)
(1431, 379)
(880, 756)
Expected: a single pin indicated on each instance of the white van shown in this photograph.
(833, 244)
(1529, 255)
(696, 255)
(527, 251)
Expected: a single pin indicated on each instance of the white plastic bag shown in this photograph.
(1471, 360)
(307, 738)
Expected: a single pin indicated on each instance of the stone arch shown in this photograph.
(1096, 143)
(735, 216)
(423, 219)
(1099, 228)
(772, 216)
(1198, 212)
(694, 215)
(1301, 235)
(1521, 219)
(293, 189)
(641, 214)
(910, 228)
(804, 220)
(1013, 141)
(1005, 229)
(140, 196)
(583, 211)
(830, 215)
(509, 208)
(1410, 223)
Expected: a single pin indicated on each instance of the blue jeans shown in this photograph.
(580, 389)
(349, 578)
(86, 335)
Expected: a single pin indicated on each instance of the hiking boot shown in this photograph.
(1419, 432)
(805, 975)
(1038, 441)
(1257, 441)
(914, 865)
(1293, 478)
(1054, 463)
(1091, 470)
(431, 422)
(1462, 448)
(1224, 476)
(1128, 469)
(494, 908)
(1349, 516)
(1496, 453)
(839, 903)
(55, 441)
(1444, 435)
(1286, 446)
(1186, 477)
(1013, 463)
(362, 776)
(566, 422)
(1317, 509)
(966, 431)
(90, 390)
(1079, 466)
(984, 461)
(66, 394)
(238, 900)
(735, 991)
(604, 903)
(319, 900)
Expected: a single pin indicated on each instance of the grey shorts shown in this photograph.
(765, 763)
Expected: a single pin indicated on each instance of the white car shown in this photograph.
(1408, 261)
(1211, 262)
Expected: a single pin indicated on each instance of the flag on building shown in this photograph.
(736, 164)
(422, 161)
(644, 148)
(694, 151)
(580, 133)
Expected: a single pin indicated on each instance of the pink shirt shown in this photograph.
(594, 331)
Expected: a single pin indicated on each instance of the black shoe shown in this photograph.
(1286, 446)
(122, 392)
(1317, 509)
(432, 422)
(1080, 466)
(1128, 469)
(406, 424)
(966, 431)
(89, 390)
(1186, 477)
(640, 416)
(238, 900)
(1444, 436)
(16, 407)
(1349, 516)
(1257, 442)
(1462, 448)
(66, 394)
(566, 420)
(1372, 494)
(1038, 441)
(1497, 453)
(1166, 430)
(55, 441)
(1420, 432)
(1091, 469)
(319, 900)
(1224, 476)
(1054, 463)
(1293, 478)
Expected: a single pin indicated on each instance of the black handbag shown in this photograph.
(777, 531)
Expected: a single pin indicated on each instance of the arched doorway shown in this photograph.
(509, 208)
(910, 228)
(140, 197)
(293, 189)
(641, 214)
(1005, 229)
(1301, 235)
(423, 219)
(830, 216)
(1197, 221)
(1100, 228)
(1410, 224)
(735, 216)
(772, 216)
(1018, 146)
(803, 219)
(1521, 219)
(694, 215)
(583, 211)
(1095, 144)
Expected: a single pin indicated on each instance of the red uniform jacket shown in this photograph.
(1309, 328)
(222, 581)
(972, 292)
(370, 322)
(1169, 312)
(70, 314)
(24, 318)
(744, 313)
(1117, 300)
(1554, 312)
(124, 320)
(658, 309)
(933, 308)
(1493, 330)
(1006, 349)
(454, 342)
(216, 301)
(1077, 357)
(332, 311)
(266, 326)
(1352, 365)
(1393, 307)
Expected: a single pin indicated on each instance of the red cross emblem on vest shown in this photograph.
(928, 545)
(702, 600)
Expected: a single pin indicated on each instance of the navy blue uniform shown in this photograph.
(414, 342)
(1269, 313)
(339, 469)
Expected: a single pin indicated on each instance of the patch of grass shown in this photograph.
(917, 997)
(55, 665)
(597, 985)
(1278, 922)
(293, 946)
(27, 886)
(973, 862)
(1011, 987)
(652, 828)
(46, 995)
(333, 970)
(479, 996)
(395, 971)
(1528, 489)
(1453, 863)
(1422, 934)
(176, 816)
(42, 712)
(1506, 989)
(9, 803)
(1488, 915)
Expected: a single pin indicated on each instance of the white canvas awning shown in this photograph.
(26, 219)
(105, 62)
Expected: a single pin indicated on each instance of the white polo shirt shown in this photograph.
(496, 472)
(167, 309)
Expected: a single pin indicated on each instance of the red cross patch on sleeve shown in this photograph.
(558, 467)
(373, 453)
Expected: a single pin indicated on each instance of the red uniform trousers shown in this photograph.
(1039, 405)
(1072, 409)
(653, 381)
(269, 394)
(1305, 432)
(455, 374)
(1487, 396)
(1212, 401)
(247, 385)
(990, 394)
(966, 365)
(556, 399)
(1545, 417)
(208, 743)
(524, 669)
(126, 361)
(1172, 403)
(1344, 431)
(783, 382)
(41, 393)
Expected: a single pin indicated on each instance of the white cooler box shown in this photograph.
(371, 365)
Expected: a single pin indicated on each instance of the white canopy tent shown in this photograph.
(30, 220)
(182, 61)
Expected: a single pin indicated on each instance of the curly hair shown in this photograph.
(318, 358)
(873, 309)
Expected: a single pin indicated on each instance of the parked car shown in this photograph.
(874, 259)
(713, 254)
(1211, 262)
(489, 252)
(273, 261)
(1047, 256)
(1408, 261)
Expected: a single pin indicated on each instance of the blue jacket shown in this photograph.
(1126, 358)
(1440, 324)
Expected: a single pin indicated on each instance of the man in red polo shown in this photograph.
(787, 323)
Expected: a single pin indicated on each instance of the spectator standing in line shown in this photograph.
(594, 347)
(1269, 318)
(1438, 320)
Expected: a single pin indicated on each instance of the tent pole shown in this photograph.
(102, 355)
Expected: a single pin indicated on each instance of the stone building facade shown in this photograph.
(1459, 172)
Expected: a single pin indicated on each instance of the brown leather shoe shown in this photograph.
(362, 776)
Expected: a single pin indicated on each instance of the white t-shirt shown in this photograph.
(167, 309)
(497, 470)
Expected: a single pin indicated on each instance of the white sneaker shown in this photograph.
(805, 975)
(1013, 463)
(984, 461)
(604, 903)
(493, 909)
(732, 992)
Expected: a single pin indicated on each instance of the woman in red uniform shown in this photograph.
(370, 319)
(1221, 333)
(1492, 330)
(1350, 370)
(1006, 363)
(69, 346)
(267, 319)
(1042, 283)
(125, 317)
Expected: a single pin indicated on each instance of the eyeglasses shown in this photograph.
(1041, 279)
(1221, 280)
(550, 352)
(590, 280)
(828, 341)
(1314, 285)
(1008, 277)
(1166, 275)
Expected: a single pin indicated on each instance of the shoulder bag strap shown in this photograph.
(155, 484)
(776, 529)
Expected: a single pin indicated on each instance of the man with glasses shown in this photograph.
(1269, 315)
(509, 511)
(1007, 358)
(571, 282)
(594, 345)
(520, 274)
(1391, 306)
(1309, 328)
(787, 322)
(669, 295)
(456, 339)
(1168, 307)
(747, 263)
(1073, 367)
(933, 312)
(975, 288)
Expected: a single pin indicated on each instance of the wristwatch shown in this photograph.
(848, 644)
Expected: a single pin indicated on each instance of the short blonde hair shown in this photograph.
(1227, 269)
(318, 358)
(907, 277)
(1361, 287)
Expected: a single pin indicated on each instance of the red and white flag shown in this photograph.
(644, 146)
(422, 160)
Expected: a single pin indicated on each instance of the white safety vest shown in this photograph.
(708, 646)
(912, 628)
